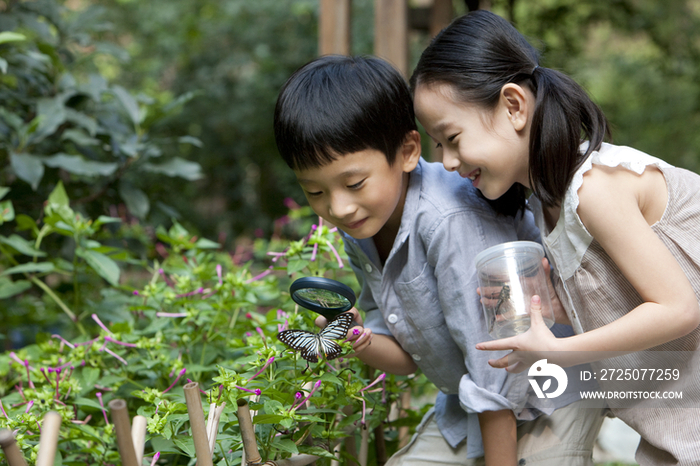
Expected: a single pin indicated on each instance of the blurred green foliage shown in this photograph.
(638, 58)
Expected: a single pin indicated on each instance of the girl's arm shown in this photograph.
(499, 435)
(616, 207)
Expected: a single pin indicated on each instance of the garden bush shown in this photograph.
(201, 314)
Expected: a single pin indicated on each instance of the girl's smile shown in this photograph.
(488, 147)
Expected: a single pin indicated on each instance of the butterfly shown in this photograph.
(316, 345)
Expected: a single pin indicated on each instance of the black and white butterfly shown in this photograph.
(316, 345)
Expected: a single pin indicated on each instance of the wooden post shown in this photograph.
(391, 32)
(199, 430)
(250, 444)
(404, 403)
(122, 427)
(441, 15)
(9, 446)
(138, 436)
(48, 441)
(334, 27)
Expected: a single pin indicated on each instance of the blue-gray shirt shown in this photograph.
(425, 297)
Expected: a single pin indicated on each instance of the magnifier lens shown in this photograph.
(322, 295)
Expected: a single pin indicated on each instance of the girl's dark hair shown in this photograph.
(337, 105)
(481, 52)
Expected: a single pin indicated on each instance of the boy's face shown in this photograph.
(360, 192)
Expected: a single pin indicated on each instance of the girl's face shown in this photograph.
(489, 147)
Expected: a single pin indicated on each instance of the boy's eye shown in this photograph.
(356, 185)
(317, 193)
(452, 138)
(438, 145)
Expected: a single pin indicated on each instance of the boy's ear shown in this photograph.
(515, 100)
(410, 151)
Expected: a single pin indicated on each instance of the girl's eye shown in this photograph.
(452, 138)
(438, 145)
(356, 185)
(318, 193)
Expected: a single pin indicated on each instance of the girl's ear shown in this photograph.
(410, 151)
(517, 104)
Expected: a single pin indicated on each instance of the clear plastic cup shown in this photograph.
(510, 274)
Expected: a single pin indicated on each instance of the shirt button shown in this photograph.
(445, 390)
(393, 318)
(368, 268)
(415, 357)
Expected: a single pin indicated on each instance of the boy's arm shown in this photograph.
(381, 352)
(499, 436)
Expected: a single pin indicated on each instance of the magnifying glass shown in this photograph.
(322, 295)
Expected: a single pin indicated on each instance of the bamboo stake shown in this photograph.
(48, 441)
(199, 431)
(364, 446)
(250, 445)
(213, 425)
(9, 446)
(138, 436)
(122, 427)
(380, 444)
(404, 431)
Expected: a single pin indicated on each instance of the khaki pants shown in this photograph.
(564, 438)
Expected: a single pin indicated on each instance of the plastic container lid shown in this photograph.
(508, 249)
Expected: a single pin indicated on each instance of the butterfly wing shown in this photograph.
(335, 330)
(306, 343)
(312, 346)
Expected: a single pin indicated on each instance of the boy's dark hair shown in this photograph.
(481, 52)
(336, 105)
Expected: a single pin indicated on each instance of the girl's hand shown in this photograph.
(527, 347)
(360, 336)
(560, 315)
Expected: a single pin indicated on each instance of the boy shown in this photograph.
(346, 126)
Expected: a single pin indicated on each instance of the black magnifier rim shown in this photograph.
(322, 283)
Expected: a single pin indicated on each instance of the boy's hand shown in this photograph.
(360, 336)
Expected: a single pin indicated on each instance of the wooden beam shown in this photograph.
(441, 15)
(391, 32)
(334, 27)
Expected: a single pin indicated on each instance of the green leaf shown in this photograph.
(103, 265)
(318, 451)
(59, 196)
(28, 168)
(79, 137)
(177, 166)
(25, 222)
(51, 113)
(190, 140)
(295, 265)
(30, 267)
(186, 444)
(204, 243)
(7, 211)
(103, 219)
(267, 419)
(8, 288)
(3, 191)
(3, 65)
(88, 402)
(9, 36)
(285, 445)
(22, 246)
(79, 166)
(136, 200)
(84, 121)
(129, 103)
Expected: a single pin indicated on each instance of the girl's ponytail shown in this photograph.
(564, 117)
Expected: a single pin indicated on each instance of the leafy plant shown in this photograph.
(198, 317)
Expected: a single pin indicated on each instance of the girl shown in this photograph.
(619, 225)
